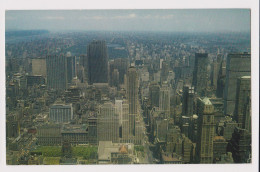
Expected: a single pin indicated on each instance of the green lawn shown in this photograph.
(87, 152)
(49, 151)
(51, 161)
(139, 148)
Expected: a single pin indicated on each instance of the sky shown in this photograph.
(193, 20)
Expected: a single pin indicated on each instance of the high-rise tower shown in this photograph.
(200, 74)
(206, 130)
(237, 65)
(56, 72)
(243, 103)
(164, 100)
(187, 100)
(132, 96)
(97, 62)
(108, 123)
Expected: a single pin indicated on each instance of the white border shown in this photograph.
(137, 4)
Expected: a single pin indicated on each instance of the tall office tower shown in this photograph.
(237, 65)
(206, 131)
(132, 96)
(61, 113)
(154, 91)
(108, 123)
(187, 100)
(97, 62)
(122, 66)
(243, 103)
(56, 72)
(70, 61)
(39, 67)
(200, 73)
(115, 78)
(164, 100)
(216, 70)
(111, 67)
(82, 69)
(126, 135)
(221, 80)
(164, 71)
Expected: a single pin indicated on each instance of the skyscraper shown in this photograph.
(154, 90)
(216, 70)
(187, 100)
(164, 71)
(164, 100)
(132, 96)
(56, 72)
(243, 103)
(108, 123)
(200, 74)
(237, 65)
(206, 130)
(70, 61)
(97, 62)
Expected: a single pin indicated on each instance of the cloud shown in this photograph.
(129, 16)
(162, 17)
(53, 18)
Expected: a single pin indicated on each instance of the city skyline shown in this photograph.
(120, 97)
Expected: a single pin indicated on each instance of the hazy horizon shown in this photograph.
(186, 20)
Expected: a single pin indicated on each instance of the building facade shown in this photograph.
(56, 72)
(61, 113)
(97, 62)
(200, 74)
(238, 65)
(206, 131)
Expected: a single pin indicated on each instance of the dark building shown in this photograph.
(200, 74)
(154, 91)
(240, 145)
(243, 103)
(238, 65)
(71, 66)
(34, 80)
(56, 72)
(97, 62)
(221, 80)
(187, 100)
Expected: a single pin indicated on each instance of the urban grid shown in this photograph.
(127, 97)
